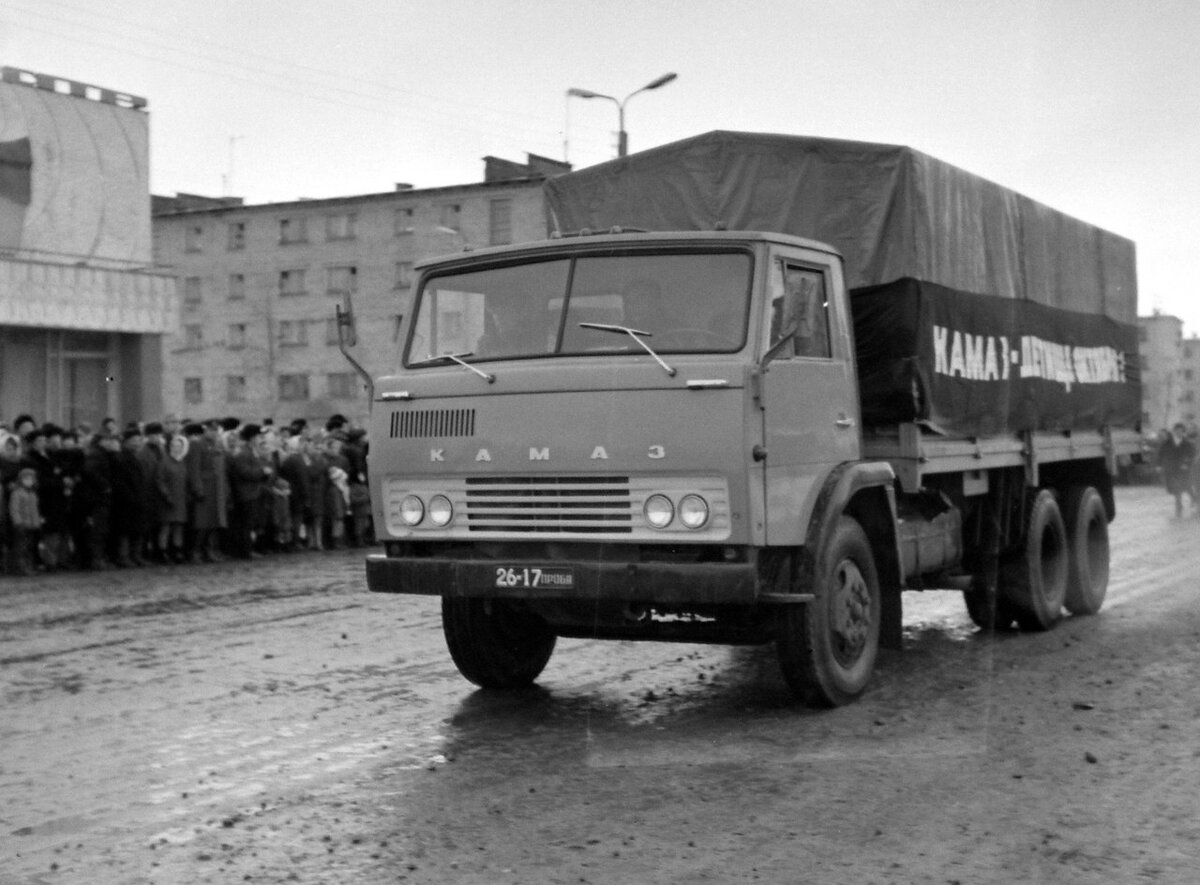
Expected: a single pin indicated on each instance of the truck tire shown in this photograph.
(494, 643)
(988, 610)
(1087, 541)
(827, 647)
(1036, 580)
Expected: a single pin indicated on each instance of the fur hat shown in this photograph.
(249, 431)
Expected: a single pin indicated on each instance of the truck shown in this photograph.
(751, 389)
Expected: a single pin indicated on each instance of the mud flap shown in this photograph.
(891, 618)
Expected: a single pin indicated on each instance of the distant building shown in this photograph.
(1160, 344)
(82, 314)
(259, 284)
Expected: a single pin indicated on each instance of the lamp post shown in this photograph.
(622, 136)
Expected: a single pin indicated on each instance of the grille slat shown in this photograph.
(433, 423)
(541, 504)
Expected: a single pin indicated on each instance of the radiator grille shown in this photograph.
(433, 423)
(549, 504)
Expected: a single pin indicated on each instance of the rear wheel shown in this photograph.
(494, 643)
(1087, 542)
(827, 647)
(1036, 581)
(987, 608)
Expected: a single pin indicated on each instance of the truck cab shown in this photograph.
(635, 436)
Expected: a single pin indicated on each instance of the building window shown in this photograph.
(342, 280)
(193, 237)
(341, 226)
(192, 295)
(193, 391)
(293, 333)
(293, 230)
(500, 222)
(404, 271)
(193, 336)
(291, 282)
(293, 387)
(331, 331)
(236, 338)
(343, 385)
(235, 388)
(237, 286)
(449, 215)
(237, 236)
(402, 221)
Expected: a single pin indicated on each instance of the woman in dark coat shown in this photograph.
(173, 479)
(293, 467)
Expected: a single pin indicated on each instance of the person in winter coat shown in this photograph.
(130, 500)
(51, 495)
(337, 506)
(95, 497)
(26, 520)
(153, 454)
(1175, 457)
(208, 489)
(174, 515)
(293, 467)
(249, 472)
(317, 492)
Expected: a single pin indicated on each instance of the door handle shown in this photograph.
(844, 422)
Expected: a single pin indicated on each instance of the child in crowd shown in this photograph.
(26, 520)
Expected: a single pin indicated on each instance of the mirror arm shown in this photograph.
(346, 340)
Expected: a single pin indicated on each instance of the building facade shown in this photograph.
(82, 312)
(1164, 395)
(259, 285)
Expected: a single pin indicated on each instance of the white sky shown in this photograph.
(1091, 106)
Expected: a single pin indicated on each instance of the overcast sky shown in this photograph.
(1091, 106)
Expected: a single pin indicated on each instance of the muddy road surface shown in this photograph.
(274, 722)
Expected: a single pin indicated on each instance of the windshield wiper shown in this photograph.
(636, 335)
(454, 358)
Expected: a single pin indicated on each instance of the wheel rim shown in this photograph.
(850, 618)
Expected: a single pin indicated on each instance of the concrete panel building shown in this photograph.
(258, 286)
(1160, 346)
(82, 312)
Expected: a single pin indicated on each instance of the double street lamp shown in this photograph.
(622, 136)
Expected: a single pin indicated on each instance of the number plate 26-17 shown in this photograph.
(544, 577)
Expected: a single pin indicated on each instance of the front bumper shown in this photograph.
(656, 583)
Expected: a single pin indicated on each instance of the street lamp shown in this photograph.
(622, 137)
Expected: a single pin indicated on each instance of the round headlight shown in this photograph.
(412, 510)
(441, 511)
(659, 511)
(693, 511)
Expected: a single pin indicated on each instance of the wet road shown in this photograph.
(273, 721)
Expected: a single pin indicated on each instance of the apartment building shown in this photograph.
(1165, 399)
(258, 286)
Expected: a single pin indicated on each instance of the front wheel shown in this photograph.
(827, 647)
(494, 643)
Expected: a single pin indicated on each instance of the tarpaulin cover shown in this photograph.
(975, 365)
(891, 211)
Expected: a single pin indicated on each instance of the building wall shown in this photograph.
(79, 303)
(258, 286)
(1161, 349)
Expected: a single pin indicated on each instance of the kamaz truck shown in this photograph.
(749, 390)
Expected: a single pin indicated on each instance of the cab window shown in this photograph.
(800, 309)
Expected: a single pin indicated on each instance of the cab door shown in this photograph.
(808, 395)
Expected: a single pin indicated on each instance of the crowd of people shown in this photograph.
(176, 491)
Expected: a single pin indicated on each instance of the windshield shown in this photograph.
(685, 302)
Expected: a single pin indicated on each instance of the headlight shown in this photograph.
(441, 511)
(412, 510)
(693, 511)
(659, 511)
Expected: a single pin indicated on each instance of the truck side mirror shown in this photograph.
(344, 312)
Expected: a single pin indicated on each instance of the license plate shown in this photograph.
(543, 577)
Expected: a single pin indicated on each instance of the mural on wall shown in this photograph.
(74, 170)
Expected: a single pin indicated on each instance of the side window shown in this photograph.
(799, 305)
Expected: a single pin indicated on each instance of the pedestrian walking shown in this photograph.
(1175, 457)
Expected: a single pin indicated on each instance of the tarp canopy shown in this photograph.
(891, 211)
